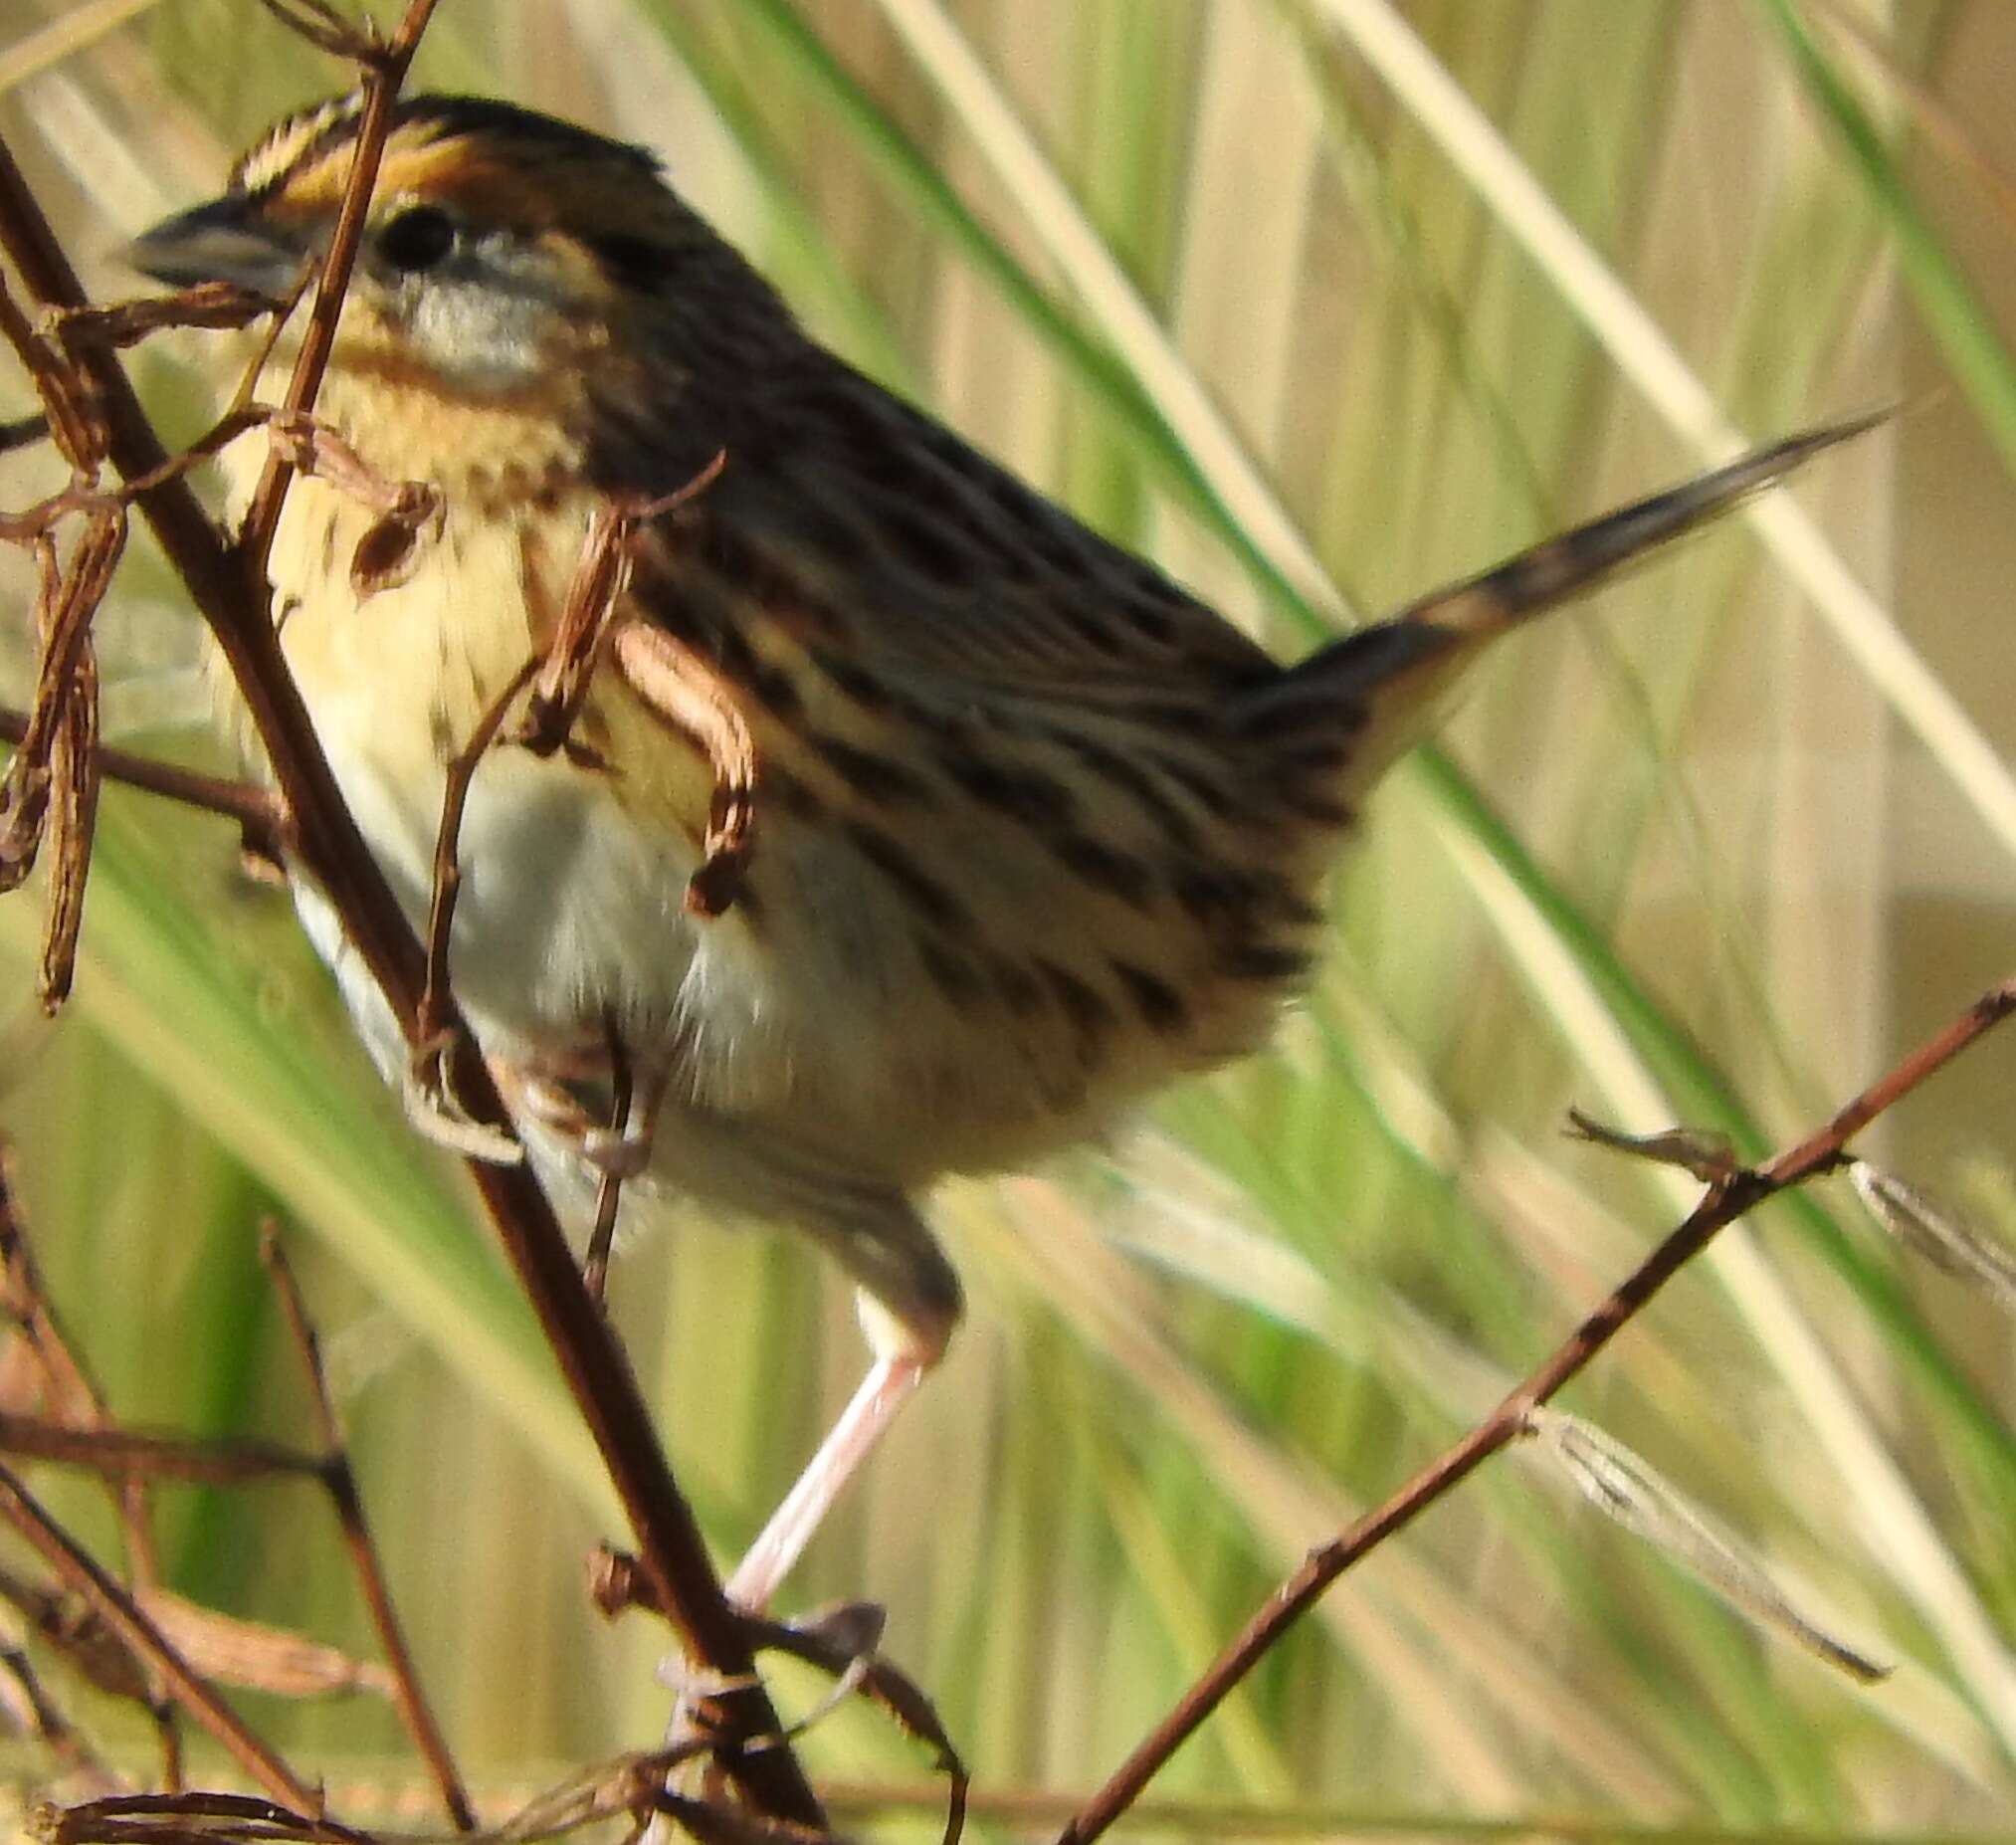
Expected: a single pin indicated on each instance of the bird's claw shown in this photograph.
(616, 1153)
(435, 1110)
(689, 1684)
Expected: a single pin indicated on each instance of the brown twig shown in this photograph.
(842, 1643)
(66, 1386)
(323, 26)
(438, 1037)
(125, 1619)
(70, 1626)
(68, 1393)
(39, 1716)
(681, 688)
(604, 1790)
(71, 688)
(601, 574)
(687, 692)
(191, 1819)
(384, 70)
(66, 410)
(326, 841)
(710, 1823)
(256, 810)
(341, 1481)
(384, 555)
(88, 498)
(609, 1187)
(168, 1730)
(51, 787)
(121, 1454)
(214, 304)
(66, 625)
(560, 678)
(1728, 1197)
(77, 1431)
(257, 1657)
(73, 823)
(23, 432)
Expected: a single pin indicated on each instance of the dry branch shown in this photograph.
(227, 585)
(1728, 1195)
(341, 1481)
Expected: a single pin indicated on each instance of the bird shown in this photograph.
(1033, 832)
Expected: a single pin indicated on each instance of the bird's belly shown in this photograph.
(894, 995)
(570, 914)
(559, 899)
(801, 1018)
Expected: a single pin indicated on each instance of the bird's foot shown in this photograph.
(842, 1639)
(542, 1096)
(438, 1114)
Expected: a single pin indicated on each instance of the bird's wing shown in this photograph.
(880, 536)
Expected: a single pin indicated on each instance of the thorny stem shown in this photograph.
(1725, 1201)
(328, 843)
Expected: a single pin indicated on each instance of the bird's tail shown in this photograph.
(1382, 679)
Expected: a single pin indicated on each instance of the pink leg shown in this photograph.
(890, 1383)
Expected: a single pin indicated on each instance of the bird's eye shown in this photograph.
(417, 239)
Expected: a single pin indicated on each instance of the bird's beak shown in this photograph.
(224, 241)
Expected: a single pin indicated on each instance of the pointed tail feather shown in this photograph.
(1443, 629)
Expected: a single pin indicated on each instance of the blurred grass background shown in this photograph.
(1246, 285)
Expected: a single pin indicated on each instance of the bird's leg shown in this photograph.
(909, 1315)
(907, 1348)
(541, 1090)
(890, 1383)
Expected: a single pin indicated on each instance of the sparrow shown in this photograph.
(1034, 832)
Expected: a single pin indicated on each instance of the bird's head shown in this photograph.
(503, 250)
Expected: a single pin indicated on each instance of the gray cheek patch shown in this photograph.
(485, 328)
(485, 322)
